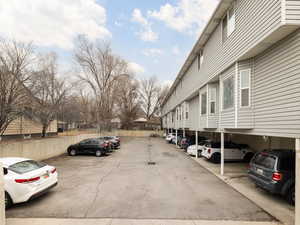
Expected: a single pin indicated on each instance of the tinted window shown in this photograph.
(26, 166)
(214, 145)
(287, 163)
(267, 161)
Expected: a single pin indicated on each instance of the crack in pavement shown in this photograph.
(98, 188)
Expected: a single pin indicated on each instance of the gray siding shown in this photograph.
(293, 11)
(255, 19)
(277, 85)
(194, 113)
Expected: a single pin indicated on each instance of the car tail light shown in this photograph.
(22, 181)
(209, 151)
(53, 171)
(277, 176)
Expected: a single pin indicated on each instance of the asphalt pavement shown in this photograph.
(125, 185)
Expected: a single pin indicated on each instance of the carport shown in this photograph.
(261, 143)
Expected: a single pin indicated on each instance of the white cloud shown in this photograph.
(135, 68)
(146, 33)
(186, 16)
(52, 23)
(176, 50)
(153, 52)
(138, 17)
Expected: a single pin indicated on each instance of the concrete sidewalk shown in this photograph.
(127, 222)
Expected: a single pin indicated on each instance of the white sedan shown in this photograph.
(170, 137)
(191, 150)
(232, 152)
(25, 179)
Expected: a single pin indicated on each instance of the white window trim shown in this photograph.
(222, 92)
(249, 87)
(210, 101)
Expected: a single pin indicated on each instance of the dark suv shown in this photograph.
(274, 171)
(89, 146)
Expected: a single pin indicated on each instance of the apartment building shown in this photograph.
(243, 75)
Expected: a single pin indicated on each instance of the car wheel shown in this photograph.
(98, 153)
(8, 201)
(248, 157)
(72, 152)
(216, 158)
(199, 154)
(290, 196)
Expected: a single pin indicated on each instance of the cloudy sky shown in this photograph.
(155, 36)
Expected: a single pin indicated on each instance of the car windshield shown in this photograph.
(26, 166)
(265, 160)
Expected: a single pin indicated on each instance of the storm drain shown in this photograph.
(149, 148)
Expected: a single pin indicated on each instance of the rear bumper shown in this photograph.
(38, 194)
(29, 192)
(270, 186)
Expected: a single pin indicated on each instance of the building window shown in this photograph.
(228, 23)
(212, 100)
(187, 111)
(200, 59)
(224, 29)
(228, 93)
(203, 103)
(180, 113)
(231, 21)
(245, 78)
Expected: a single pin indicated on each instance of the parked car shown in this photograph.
(179, 137)
(191, 150)
(114, 141)
(274, 171)
(94, 146)
(232, 152)
(170, 137)
(25, 179)
(190, 140)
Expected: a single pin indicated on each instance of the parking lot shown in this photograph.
(124, 185)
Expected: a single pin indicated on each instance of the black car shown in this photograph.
(94, 146)
(114, 141)
(274, 171)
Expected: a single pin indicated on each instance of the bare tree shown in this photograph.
(47, 91)
(15, 71)
(100, 69)
(127, 100)
(152, 94)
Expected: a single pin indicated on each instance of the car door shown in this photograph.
(87, 147)
(230, 151)
(81, 146)
(236, 152)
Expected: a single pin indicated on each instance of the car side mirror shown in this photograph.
(5, 171)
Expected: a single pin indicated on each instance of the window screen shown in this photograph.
(228, 93)
(212, 99)
(231, 21)
(245, 87)
(203, 103)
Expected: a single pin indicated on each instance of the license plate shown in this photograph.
(46, 175)
(260, 171)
